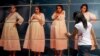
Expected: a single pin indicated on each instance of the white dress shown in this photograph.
(9, 38)
(35, 37)
(58, 40)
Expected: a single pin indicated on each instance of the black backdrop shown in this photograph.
(26, 8)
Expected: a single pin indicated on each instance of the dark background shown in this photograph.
(26, 8)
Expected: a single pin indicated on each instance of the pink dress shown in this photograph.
(35, 38)
(58, 39)
(9, 38)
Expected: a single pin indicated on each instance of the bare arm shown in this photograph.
(92, 17)
(93, 38)
(20, 19)
(41, 19)
(54, 16)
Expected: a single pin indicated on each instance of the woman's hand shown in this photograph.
(93, 47)
(56, 16)
(68, 34)
(76, 47)
(34, 17)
